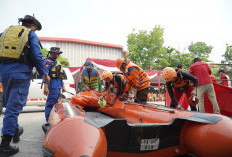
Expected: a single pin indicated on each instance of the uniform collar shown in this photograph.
(52, 59)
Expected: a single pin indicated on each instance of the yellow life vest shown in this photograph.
(91, 79)
(56, 71)
(14, 46)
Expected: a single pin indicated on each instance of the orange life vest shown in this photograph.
(144, 78)
(114, 83)
(181, 84)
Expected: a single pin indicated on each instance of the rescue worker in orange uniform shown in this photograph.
(179, 83)
(136, 77)
(117, 81)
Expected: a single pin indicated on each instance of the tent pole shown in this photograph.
(159, 86)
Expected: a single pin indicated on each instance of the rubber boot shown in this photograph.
(46, 127)
(5, 148)
(18, 133)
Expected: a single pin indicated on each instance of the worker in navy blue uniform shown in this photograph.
(52, 89)
(19, 52)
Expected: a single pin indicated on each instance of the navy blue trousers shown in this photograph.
(15, 92)
(52, 99)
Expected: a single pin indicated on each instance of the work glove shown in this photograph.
(102, 103)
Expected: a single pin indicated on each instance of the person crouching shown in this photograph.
(179, 83)
(117, 81)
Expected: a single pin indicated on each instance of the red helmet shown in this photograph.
(193, 100)
(119, 62)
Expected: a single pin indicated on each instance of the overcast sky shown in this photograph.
(110, 21)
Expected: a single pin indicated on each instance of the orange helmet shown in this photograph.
(193, 100)
(119, 62)
(168, 74)
(107, 74)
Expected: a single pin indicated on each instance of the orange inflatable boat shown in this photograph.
(80, 128)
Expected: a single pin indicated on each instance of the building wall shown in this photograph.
(78, 53)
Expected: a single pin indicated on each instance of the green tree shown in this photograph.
(227, 55)
(173, 57)
(44, 52)
(146, 47)
(64, 61)
(200, 49)
(227, 60)
(146, 50)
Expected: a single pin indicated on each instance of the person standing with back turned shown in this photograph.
(19, 52)
(202, 71)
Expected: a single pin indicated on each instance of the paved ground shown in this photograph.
(32, 139)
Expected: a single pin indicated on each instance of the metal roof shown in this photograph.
(78, 41)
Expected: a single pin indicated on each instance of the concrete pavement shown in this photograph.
(31, 141)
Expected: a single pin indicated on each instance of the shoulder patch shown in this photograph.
(47, 62)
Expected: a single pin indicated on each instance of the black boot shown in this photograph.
(18, 133)
(5, 148)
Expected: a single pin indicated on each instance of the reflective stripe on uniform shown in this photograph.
(3, 37)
